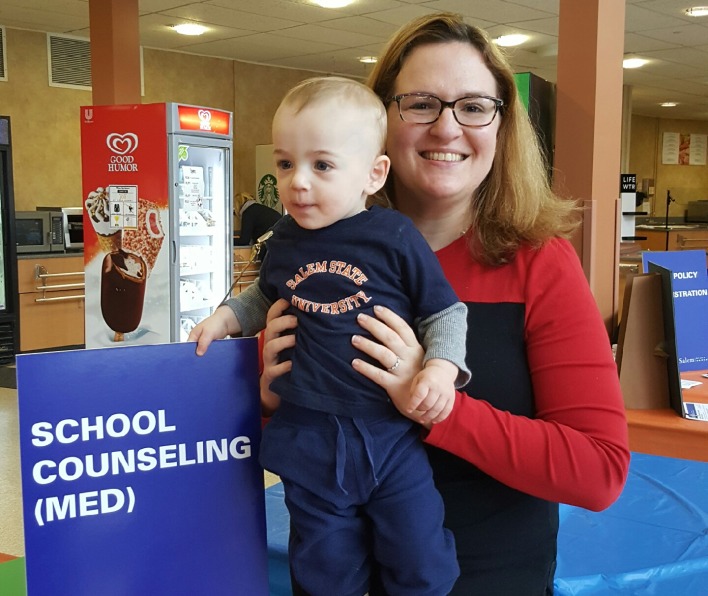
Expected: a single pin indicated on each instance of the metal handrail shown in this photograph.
(57, 298)
(684, 240)
(68, 274)
(254, 263)
(56, 287)
(40, 272)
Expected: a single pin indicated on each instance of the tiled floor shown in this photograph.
(11, 539)
(11, 531)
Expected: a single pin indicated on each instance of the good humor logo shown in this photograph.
(204, 119)
(122, 145)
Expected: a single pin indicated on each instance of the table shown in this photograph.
(698, 393)
(652, 540)
(655, 534)
(664, 432)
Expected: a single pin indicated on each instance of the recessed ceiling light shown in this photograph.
(189, 29)
(697, 11)
(332, 3)
(368, 59)
(507, 41)
(668, 104)
(633, 62)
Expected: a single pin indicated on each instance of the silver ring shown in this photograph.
(395, 365)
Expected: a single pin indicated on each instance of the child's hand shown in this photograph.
(217, 326)
(433, 391)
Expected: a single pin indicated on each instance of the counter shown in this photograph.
(51, 292)
(663, 432)
(675, 237)
(245, 270)
(50, 255)
(654, 225)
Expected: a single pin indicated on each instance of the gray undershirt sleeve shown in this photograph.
(251, 308)
(444, 335)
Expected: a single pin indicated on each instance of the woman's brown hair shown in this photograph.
(514, 205)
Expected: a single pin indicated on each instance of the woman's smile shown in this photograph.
(440, 156)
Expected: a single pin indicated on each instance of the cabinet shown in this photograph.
(51, 302)
(678, 239)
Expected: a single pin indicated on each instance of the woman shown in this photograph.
(542, 421)
(256, 220)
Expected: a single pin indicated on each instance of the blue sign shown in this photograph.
(689, 295)
(140, 472)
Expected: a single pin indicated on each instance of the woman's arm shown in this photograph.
(247, 223)
(575, 449)
(275, 342)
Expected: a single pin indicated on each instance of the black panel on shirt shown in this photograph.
(496, 355)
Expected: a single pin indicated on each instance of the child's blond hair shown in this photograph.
(349, 93)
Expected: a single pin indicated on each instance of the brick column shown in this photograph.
(588, 135)
(115, 51)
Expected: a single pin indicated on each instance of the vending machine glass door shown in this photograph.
(204, 221)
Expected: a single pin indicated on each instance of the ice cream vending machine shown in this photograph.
(157, 193)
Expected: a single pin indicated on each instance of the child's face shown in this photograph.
(327, 162)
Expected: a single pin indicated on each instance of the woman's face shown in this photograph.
(442, 161)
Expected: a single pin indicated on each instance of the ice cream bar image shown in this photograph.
(123, 277)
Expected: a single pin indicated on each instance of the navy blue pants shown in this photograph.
(351, 483)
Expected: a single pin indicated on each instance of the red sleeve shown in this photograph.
(261, 343)
(576, 449)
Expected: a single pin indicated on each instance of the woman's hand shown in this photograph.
(399, 353)
(275, 342)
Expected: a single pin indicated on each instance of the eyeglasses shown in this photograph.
(423, 108)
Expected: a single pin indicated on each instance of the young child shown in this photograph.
(353, 468)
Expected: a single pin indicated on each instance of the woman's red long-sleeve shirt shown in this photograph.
(543, 413)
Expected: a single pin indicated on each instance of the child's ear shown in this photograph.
(378, 174)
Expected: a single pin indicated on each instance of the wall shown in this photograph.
(258, 91)
(686, 183)
(642, 148)
(45, 126)
(45, 120)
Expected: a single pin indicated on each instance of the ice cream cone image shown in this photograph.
(109, 239)
(109, 243)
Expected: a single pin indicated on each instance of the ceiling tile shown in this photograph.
(368, 25)
(209, 14)
(336, 37)
(641, 19)
(491, 10)
(683, 34)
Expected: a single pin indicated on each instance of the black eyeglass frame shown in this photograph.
(498, 104)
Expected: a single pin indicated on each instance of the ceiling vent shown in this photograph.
(69, 61)
(3, 56)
